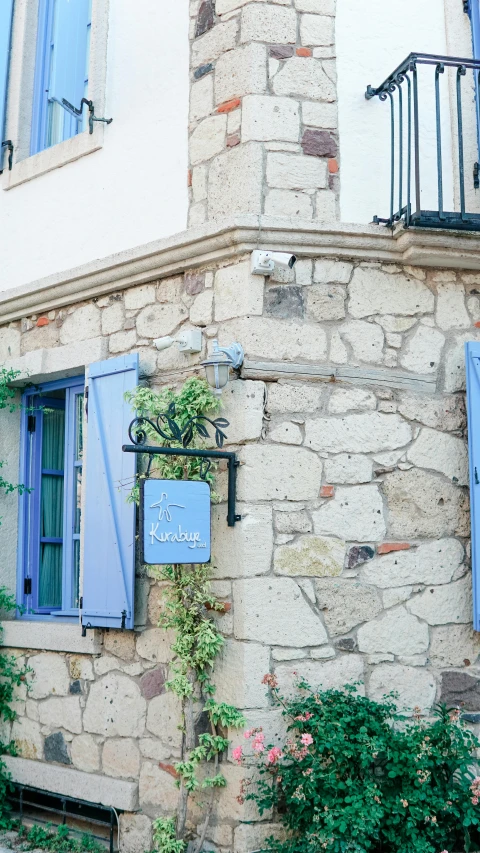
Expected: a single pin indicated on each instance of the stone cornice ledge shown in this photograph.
(227, 240)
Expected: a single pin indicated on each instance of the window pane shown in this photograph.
(77, 498)
(76, 572)
(79, 427)
(51, 526)
(53, 446)
(50, 580)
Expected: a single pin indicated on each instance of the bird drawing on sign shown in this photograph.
(164, 509)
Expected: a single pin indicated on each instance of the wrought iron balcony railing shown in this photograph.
(430, 157)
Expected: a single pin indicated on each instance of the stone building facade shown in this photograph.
(352, 559)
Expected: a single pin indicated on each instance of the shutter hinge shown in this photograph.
(124, 617)
(27, 586)
(31, 423)
(8, 144)
(476, 176)
(79, 112)
(86, 402)
(476, 477)
(466, 6)
(80, 603)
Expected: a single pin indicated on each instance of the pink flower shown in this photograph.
(258, 742)
(237, 754)
(307, 740)
(274, 755)
(248, 734)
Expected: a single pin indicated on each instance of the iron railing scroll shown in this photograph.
(409, 140)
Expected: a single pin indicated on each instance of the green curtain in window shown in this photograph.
(51, 521)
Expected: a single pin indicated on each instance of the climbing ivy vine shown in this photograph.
(189, 611)
(12, 675)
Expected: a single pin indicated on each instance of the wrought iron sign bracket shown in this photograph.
(169, 430)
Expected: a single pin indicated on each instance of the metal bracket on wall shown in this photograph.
(476, 176)
(169, 431)
(8, 144)
(79, 112)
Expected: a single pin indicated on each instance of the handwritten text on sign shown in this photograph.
(176, 522)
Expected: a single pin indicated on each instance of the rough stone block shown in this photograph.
(363, 433)
(254, 836)
(121, 757)
(284, 301)
(350, 400)
(246, 549)
(122, 341)
(348, 468)
(61, 713)
(85, 753)
(288, 203)
(49, 676)
(440, 605)
(72, 783)
(287, 433)
(355, 513)
(284, 397)
(265, 118)
(304, 78)
(375, 292)
(324, 675)
(431, 562)
(326, 205)
(317, 30)
(326, 302)
(454, 645)
(27, 738)
(346, 604)
(158, 320)
(152, 682)
(264, 337)
(201, 98)
(115, 707)
(441, 452)
(237, 292)
(310, 556)
(267, 23)
(396, 632)
(235, 181)
(214, 43)
(451, 312)
(241, 72)
(446, 412)
(208, 139)
(164, 718)
(365, 340)
(423, 351)
(136, 833)
(415, 687)
(81, 324)
(295, 172)
(319, 7)
(293, 522)
(459, 689)
(243, 406)
(328, 272)
(358, 555)
(319, 115)
(157, 788)
(257, 603)
(55, 749)
(238, 674)
(155, 645)
(9, 344)
(202, 309)
(424, 504)
(270, 472)
(113, 318)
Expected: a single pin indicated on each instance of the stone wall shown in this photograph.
(351, 562)
(263, 113)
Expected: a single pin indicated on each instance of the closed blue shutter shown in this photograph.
(472, 357)
(70, 46)
(6, 13)
(473, 8)
(109, 521)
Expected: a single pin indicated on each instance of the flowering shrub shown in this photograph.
(349, 777)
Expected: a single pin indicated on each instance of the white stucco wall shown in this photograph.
(369, 48)
(135, 188)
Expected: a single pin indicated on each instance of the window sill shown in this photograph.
(54, 157)
(50, 636)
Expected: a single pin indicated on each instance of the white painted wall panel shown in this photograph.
(135, 188)
(372, 38)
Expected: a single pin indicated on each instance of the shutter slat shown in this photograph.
(6, 16)
(472, 358)
(109, 520)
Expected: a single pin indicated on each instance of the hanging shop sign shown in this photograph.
(176, 521)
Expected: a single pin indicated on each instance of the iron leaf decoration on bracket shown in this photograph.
(169, 430)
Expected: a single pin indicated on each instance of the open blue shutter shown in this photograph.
(472, 358)
(473, 9)
(109, 521)
(70, 46)
(6, 14)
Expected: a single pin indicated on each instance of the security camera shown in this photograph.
(264, 263)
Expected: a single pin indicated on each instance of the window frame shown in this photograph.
(29, 505)
(18, 125)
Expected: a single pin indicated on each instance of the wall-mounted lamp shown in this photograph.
(217, 366)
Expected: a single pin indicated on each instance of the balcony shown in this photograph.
(433, 117)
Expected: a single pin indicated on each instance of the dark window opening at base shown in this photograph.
(33, 806)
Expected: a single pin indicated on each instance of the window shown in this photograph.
(53, 462)
(61, 71)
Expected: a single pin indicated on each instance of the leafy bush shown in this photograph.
(57, 839)
(353, 776)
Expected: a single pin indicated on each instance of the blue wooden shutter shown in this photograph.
(109, 521)
(473, 9)
(472, 358)
(6, 14)
(70, 48)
